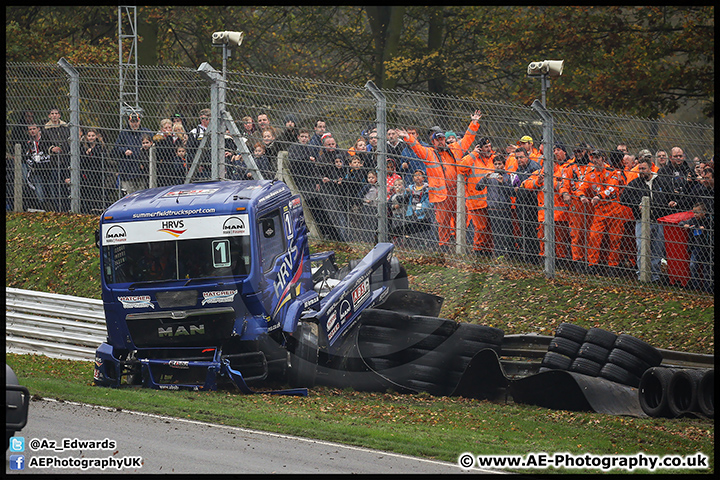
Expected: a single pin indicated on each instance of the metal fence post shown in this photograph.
(74, 134)
(381, 110)
(152, 168)
(645, 262)
(18, 177)
(461, 219)
(548, 188)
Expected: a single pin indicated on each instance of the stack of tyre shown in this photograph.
(600, 353)
(677, 392)
(422, 353)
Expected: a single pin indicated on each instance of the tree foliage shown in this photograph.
(638, 60)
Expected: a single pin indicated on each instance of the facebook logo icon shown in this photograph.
(17, 462)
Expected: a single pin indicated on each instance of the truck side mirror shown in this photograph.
(97, 238)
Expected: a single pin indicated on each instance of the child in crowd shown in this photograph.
(419, 212)
(397, 204)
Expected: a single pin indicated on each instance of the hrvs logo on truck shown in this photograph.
(173, 227)
(181, 330)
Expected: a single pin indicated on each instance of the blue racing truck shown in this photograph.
(213, 282)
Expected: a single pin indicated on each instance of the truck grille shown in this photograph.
(181, 328)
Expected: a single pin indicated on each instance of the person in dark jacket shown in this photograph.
(674, 184)
(701, 240)
(646, 184)
(127, 153)
(526, 207)
(500, 192)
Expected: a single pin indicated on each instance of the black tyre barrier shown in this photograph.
(438, 326)
(628, 361)
(593, 352)
(639, 348)
(303, 371)
(653, 391)
(603, 338)
(618, 374)
(480, 333)
(586, 366)
(573, 332)
(556, 361)
(384, 318)
(682, 392)
(564, 345)
(706, 394)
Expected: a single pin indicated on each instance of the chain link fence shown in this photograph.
(334, 145)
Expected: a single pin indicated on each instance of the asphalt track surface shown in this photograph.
(170, 445)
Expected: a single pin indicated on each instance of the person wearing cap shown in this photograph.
(441, 162)
(600, 189)
(127, 153)
(526, 207)
(526, 142)
(450, 137)
(475, 166)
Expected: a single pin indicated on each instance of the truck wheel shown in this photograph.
(303, 364)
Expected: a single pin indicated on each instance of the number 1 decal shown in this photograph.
(221, 253)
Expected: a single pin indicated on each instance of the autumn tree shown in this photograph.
(638, 60)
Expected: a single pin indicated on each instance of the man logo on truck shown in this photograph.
(181, 331)
(116, 233)
(233, 225)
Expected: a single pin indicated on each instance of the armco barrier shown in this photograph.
(64, 326)
(58, 326)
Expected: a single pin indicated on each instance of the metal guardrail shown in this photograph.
(64, 326)
(58, 326)
(535, 346)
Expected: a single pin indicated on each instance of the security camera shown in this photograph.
(232, 39)
(552, 68)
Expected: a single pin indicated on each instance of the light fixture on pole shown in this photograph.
(545, 69)
(227, 40)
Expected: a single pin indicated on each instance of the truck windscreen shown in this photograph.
(176, 259)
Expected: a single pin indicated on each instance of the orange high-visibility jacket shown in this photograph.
(441, 166)
(560, 208)
(605, 184)
(475, 167)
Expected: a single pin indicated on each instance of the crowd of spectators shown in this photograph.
(596, 200)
